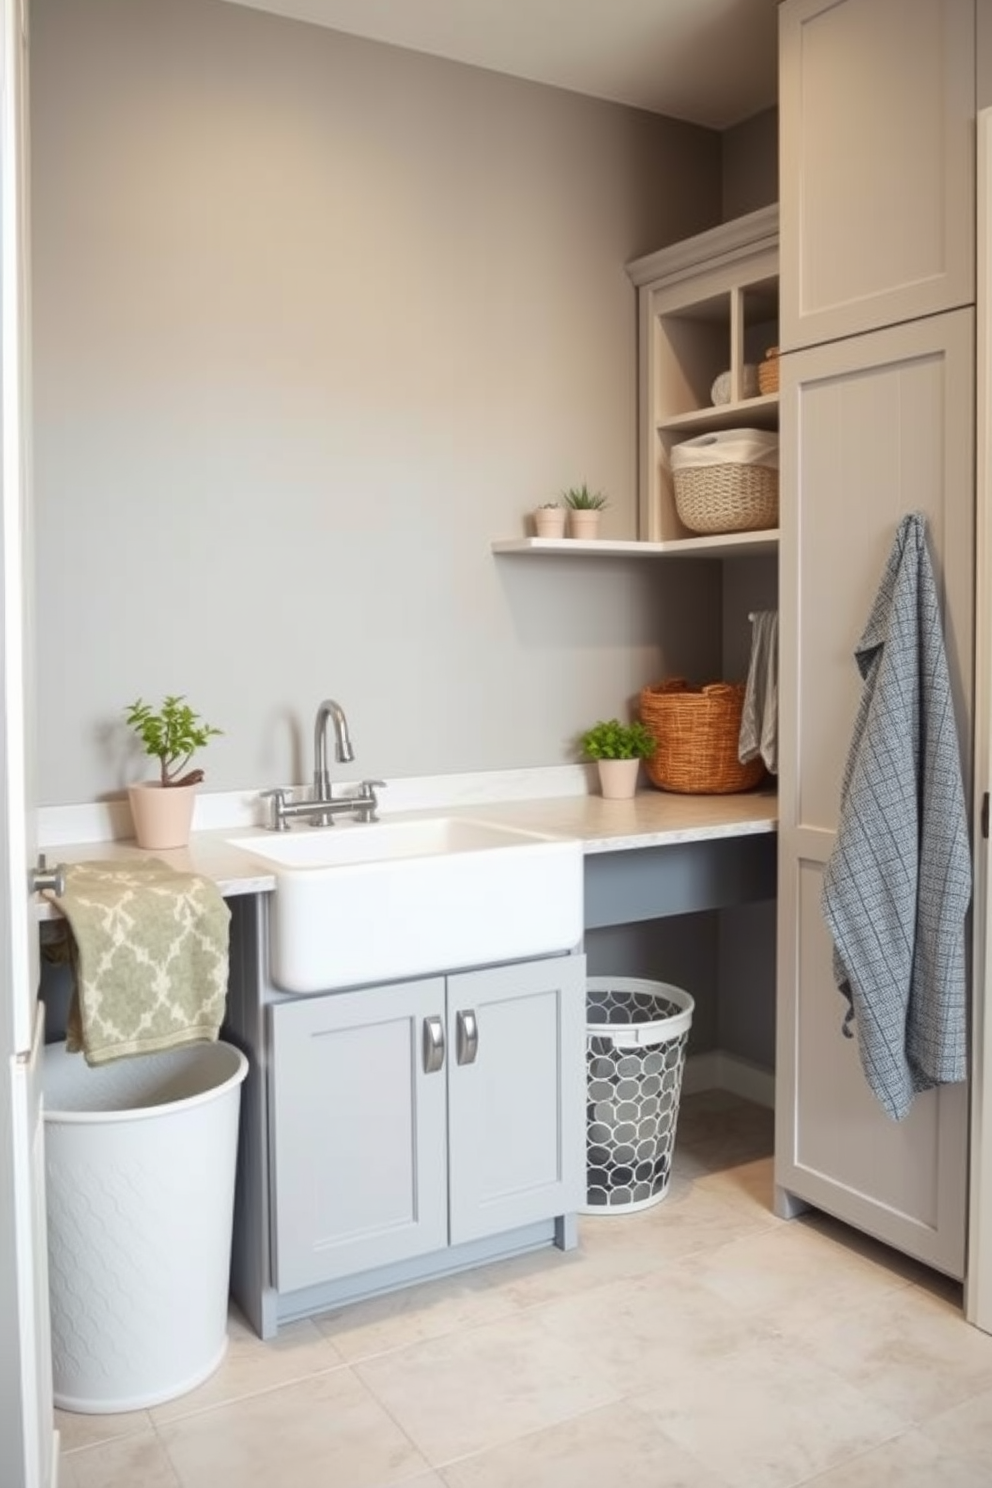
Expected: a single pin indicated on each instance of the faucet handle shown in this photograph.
(366, 794)
(277, 821)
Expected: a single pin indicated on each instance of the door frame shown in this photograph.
(978, 1285)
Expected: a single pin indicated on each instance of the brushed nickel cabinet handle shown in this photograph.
(433, 1045)
(468, 1037)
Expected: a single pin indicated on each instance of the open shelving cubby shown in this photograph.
(706, 306)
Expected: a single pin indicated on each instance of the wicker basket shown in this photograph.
(726, 498)
(697, 732)
(768, 372)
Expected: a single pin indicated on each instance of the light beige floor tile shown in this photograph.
(613, 1247)
(966, 1429)
(67, 1473)
(769, 1417)
(250, 1366)
(417, 1313)
(905, 1267)
(618, 1445)
(77, 1431)
(321, 1431)
(793, 1276)
(749, 1187)
(646, 1332)
(129, 1462)
(911, 1351)
(473, 1390)
(908, 1461)
(721, 1131)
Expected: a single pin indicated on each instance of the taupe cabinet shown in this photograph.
(877, 191)
(877, 420)
(706, 306)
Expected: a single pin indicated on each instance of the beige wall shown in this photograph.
(750, 165)
(315, 320)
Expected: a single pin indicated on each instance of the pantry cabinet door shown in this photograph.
(876, 123)
(872, 428)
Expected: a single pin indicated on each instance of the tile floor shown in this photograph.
(700, 1344)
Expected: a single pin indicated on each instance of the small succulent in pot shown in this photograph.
(610, 739)
(580, 498)
(171, 734)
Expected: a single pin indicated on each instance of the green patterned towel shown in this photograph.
(149, 947)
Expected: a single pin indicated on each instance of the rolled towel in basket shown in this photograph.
(759, 715)
(149, 952)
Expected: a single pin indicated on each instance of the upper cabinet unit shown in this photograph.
(876, 116)
(707, 311)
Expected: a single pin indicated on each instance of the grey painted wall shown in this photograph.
(315, 320)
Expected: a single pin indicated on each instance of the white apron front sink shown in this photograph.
(370, 902)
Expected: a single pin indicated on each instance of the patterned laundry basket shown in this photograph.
(636, 1036)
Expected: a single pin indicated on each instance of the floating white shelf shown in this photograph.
(722, 545)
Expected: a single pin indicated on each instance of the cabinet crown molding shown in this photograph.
(718, 245)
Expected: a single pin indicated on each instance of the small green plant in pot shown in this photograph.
(584, 508)
(162, 809)
(618, 749)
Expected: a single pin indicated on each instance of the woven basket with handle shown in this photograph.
(697, 731)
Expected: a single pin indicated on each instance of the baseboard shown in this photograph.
(718, 1070)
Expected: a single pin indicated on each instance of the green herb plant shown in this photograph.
(610, 739)
(549, 506)
(172, 735)
(580, 498)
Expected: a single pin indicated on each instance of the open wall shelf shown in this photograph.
(722, 545)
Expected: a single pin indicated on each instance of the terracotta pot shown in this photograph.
(162, 815)
(549, 522)
(618, 778)
(584, 523)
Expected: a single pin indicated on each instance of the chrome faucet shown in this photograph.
(322, 806)
(343, 751)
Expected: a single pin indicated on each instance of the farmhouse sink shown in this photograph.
(370, 902)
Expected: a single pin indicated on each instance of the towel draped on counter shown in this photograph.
(898, 883)
(149, 951)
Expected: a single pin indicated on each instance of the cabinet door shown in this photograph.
(357, 1132)
(872, 428)
(516, 1095)
(876, 118)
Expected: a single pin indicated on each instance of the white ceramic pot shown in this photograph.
(618, 778)
(162, 815)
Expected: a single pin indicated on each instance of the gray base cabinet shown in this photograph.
(396, 1132)
(408, 1117)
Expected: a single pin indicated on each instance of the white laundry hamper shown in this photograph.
(636, 1037)
(140, 1156)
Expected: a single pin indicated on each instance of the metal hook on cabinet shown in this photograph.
(45, 880)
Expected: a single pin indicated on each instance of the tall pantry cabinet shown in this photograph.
(877, 164)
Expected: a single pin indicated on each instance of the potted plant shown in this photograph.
(549, 520)
(162, 809)
(618, 749)
(584, 507)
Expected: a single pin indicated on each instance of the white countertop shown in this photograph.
(651, 819)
